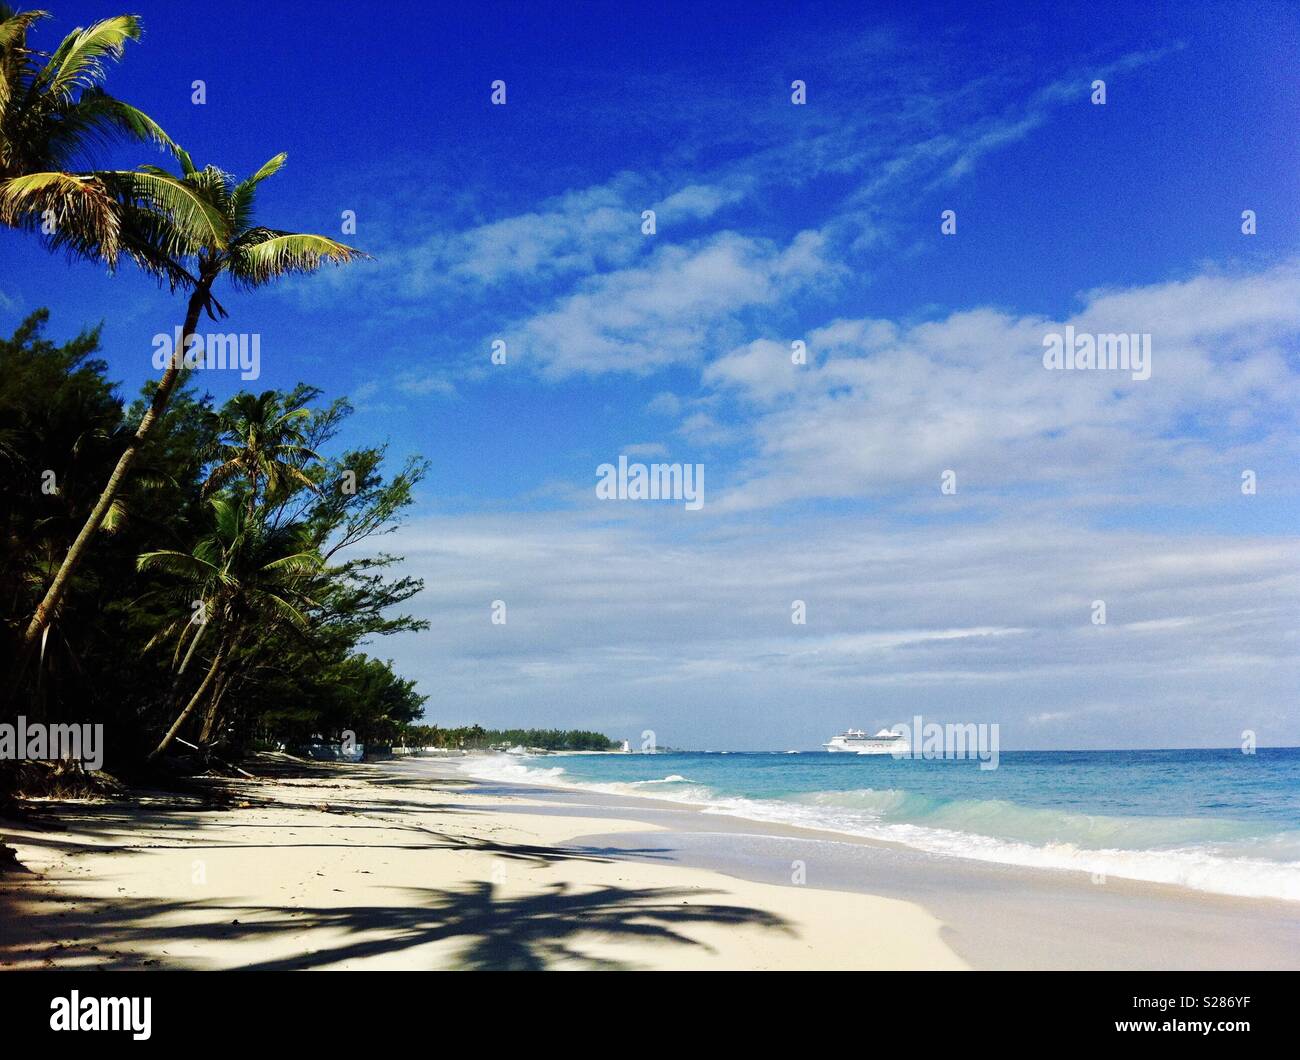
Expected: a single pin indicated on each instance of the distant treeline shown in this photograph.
(475, 737)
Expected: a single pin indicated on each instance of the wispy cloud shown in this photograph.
(992, 620)
(672, 309)
(581, 290)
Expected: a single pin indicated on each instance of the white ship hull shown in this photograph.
(855, 742)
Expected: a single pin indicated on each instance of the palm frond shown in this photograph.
(193, 214)
(281, 476)
(114, 518)
(215, 184)
(78, 61)
(262, 255)
(157, 246)
(85, 215)
(179, 564)
(163, 633)
(14, 27)
(229, 516)
(283, 608)
(97, 109)
(220, 475)
(299, 563)
(241, 199)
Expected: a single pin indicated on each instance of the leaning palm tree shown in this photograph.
(201, 222)
(54, 116)
(250, 576)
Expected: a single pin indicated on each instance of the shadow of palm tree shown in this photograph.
(528, 933)
(489, 931)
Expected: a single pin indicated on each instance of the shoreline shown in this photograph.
(410, 864)
(1042, 918)
(999, 851)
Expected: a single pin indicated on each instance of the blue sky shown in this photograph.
(776, 223)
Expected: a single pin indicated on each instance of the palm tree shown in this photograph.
(203, 224)
(53, 116)
(249, 576)
(263, 441)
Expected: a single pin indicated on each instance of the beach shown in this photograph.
(417, 865)
(408, 867)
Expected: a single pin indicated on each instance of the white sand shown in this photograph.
(412, 876)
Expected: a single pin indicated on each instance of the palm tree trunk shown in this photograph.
(157, 407)
(195, 700)
(219, 692)
(211, 714)
(193, 644)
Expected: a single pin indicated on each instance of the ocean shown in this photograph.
(1212, 820)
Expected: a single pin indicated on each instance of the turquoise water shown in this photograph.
(1215, 820)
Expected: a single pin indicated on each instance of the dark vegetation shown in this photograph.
(234, 579)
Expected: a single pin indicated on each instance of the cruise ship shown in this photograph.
(855, 741)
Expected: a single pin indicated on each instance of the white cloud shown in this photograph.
(696, 202)
(420, 384)
(882, 407)
(670, 309)
(576, 233)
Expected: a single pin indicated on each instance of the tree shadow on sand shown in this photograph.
(521, 934)
(490, 932)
